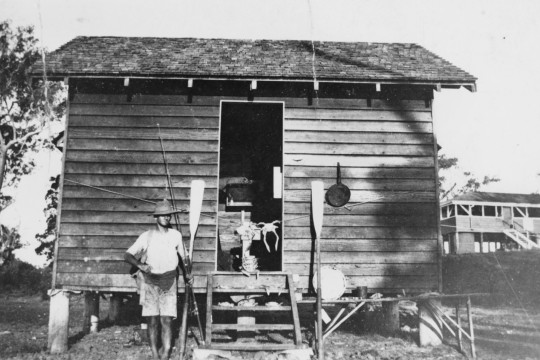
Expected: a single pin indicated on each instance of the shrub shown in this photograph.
(510, 278)
(18, 276)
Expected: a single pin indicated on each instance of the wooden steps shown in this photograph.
(255, 346)
(264, 283)
(520, 239)
(253, 327)
(252, 308)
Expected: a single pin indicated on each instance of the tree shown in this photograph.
(48, 237)
(26, 111)
(462, 181)
(9, 241)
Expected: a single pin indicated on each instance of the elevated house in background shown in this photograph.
(258, 121)
(486, 222)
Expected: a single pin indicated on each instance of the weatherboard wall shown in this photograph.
(113, 143)
(486, 224)
(386, 239)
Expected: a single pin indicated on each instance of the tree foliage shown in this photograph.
(462, 182)
(26, 110)
(48, 237)
(9, 241)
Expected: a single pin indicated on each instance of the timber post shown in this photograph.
(429, 327)
(390, 323)
(471, 330)
(115, 302)
(91, 312)
(458, 322)
(482, 243)
(58, 321)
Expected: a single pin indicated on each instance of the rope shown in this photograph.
(348, 207)
(110, 191)
(124, 195)
(312, 42)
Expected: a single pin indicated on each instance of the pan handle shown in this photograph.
(338, 173)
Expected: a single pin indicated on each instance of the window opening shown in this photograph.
(519, 212)
(490, 211)
(476, 210)
(463, 210)
(444, 212)
(534, 212)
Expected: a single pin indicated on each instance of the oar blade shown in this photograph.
(195, 207)
(317, 205)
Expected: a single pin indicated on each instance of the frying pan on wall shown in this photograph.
(338, 194)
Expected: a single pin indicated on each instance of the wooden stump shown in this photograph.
(390, 315)
(91, 312)
(58, 322)
(115, 302)
(430, 328)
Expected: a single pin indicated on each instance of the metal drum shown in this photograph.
(333, 283)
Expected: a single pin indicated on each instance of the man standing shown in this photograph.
(158, 292)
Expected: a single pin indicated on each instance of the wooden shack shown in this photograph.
(263, 118)
(487, 222)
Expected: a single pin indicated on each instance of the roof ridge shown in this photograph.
(245, 39)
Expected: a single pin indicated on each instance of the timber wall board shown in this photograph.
(386, 238)
(113, 143)
(534, 221)
(485, 224)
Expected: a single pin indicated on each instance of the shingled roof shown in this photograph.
(531, 199)
(254, 59)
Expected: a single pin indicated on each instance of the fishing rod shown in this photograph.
(188, 264)
(171, 191)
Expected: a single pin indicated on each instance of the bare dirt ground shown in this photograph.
(507, 323)
(502, 333)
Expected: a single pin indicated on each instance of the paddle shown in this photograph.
(195, 207)
(317, 210)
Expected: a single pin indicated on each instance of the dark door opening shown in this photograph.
(250, 168)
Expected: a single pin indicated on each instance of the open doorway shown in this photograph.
(250, 183)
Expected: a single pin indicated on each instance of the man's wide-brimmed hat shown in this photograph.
(165, 208)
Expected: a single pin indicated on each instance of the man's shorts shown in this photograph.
(156, 302)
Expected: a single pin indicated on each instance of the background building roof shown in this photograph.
(499, 198)
(257, 59)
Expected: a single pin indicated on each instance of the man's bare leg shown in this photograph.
(166, 336)
(153, 335)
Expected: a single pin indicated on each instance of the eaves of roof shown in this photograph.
(273, 60)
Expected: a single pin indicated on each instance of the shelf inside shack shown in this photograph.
(239, 195)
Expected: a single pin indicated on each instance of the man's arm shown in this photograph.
(188, 277)
(129, 258)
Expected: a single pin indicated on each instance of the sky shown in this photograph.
(492, 132)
